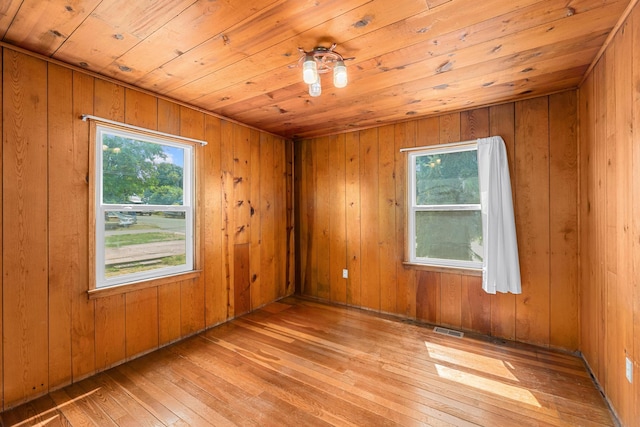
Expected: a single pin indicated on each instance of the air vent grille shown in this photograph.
(448, 332)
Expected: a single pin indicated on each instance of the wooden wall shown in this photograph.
(350, 213)
(609, 111)
(52, 333)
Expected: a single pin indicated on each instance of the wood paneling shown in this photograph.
(110, 331)
(370, 256)
(83, 332)
(532, 218)
(405, 137)
(192, 311)
(26, 263)
(53, 333)
(375, 234)
(354, 217)
(68, 183)
(609, 109)
(408, 57)
(337, 231)
(563, 222)
(213, 266)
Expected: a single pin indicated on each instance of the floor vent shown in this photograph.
(448, 332)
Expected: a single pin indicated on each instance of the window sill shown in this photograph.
(135, 286)
(443, 269)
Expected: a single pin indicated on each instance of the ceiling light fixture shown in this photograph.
(321, 60)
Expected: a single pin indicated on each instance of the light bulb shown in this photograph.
(315, 89)
(340, 74)
(309, 70)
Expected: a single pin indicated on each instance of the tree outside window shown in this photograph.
(445, 220)
(144, 221)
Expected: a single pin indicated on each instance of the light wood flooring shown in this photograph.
(302, 363)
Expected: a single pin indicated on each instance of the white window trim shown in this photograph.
(413, 208)
(101, 282)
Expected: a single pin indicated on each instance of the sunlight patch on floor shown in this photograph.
(29, 421)
(480, 363)
(485, 384)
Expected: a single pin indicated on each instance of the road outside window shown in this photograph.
(144, 206)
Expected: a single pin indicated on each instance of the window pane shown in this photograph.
(137, 171)
(447, 178)
(454, 235)
(136, 243)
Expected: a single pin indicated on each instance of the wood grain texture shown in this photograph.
(458, 300)
(214, 278)
(609, 111)
(241, 278)
(387, 219)
(450, 300)
(354, 217)
(624, 104)
(322, 219)
(77, 336)
(228, 213)
(64, 231)
(532, 219)
(369, 184)
(237, 61)
(635, 179)
(404, 137)
(110, 331)
(169, 295)
(563, 197)
(289, 217)
(297, 362)
(255, 225)
(109, 312)
(82, 310)
(612, 364)
(280, 209)
(268, 220)
(428, 297)
(25, 228)
(192, 298)
(169, 313)
(337, 231)
(141, 328)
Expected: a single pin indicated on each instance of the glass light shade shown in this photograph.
(340, 74)
(309, 70)
(315, 89)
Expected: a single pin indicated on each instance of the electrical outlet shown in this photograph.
(629, 370)
(345, 274)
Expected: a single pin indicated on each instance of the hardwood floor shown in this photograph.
(302, 363)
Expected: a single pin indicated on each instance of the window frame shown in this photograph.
(98, 282)
(414, 208)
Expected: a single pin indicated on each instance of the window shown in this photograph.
(143, 206)
(445, 221)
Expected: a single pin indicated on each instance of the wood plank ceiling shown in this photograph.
(239, 58)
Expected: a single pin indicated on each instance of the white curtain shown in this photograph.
(501, 268)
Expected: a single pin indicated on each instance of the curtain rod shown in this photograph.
(438, 146)
(86, 117)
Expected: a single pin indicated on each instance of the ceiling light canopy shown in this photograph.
(321, 60)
